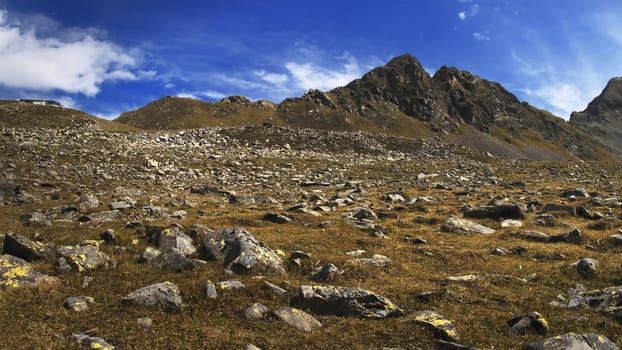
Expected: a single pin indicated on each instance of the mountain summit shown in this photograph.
(603, 116)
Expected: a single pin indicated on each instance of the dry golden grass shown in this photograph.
(35, 318)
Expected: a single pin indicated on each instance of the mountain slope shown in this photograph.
(603, 116)
(17, 114)
(172, 113)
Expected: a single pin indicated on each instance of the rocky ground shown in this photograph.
(274, 238)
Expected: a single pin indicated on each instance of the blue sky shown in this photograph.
(106, 57)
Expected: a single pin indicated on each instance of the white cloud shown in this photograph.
(213, 94)
(196, 95)
(272, 78)
(481, 36)
(564, 98)
(462, 15)
(169, 86)
(310, 76)
(79, 64)
(187, 95)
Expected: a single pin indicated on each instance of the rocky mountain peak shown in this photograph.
(605, 106)
(402, 83)
(603, 116)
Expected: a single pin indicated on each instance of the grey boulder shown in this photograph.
(241, 253)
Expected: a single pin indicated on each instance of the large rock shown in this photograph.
(533, 321)
(22, 247)
(607, 300)
(298, 319)
(171, 237)
(501, 211)
(571, 341)
(343, 301)
(83, 258)
(172, 260)
(16, 273)
(163, 295)
(240, 252)
(463, 226)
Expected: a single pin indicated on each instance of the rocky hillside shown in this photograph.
(399, 98)
(603, 116)
(16, 114)
(283, 238)
(174, 113)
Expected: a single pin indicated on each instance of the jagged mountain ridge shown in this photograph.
(603, 116)
(399, 98)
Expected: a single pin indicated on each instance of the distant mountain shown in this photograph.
(603, 116)
(18, 114)
(399, 98)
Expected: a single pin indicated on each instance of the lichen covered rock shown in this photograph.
(16, 273)
(438, 323)
(84, 258)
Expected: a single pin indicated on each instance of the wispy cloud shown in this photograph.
(312, 76)
(472, 11)
(72, 62)
(481, 36)
(563, 71)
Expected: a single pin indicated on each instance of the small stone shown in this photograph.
(78, 304)
(145, 322)
(298, 319)
(616, 239)
(277, 218)
(256, 311)
(150, 254)
(210, 290)
(358, 252)
(274, 288)
(466, 278)
(88, 342)
(325, 273)
(533, 321)
(586, 266)
(511, 223)
(230, 285)
(462, 226)
(108, 236)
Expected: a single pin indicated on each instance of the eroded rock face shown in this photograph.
(343, 301)
(571, 341)
(241, 253)
(16, 273)
(163, 295)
